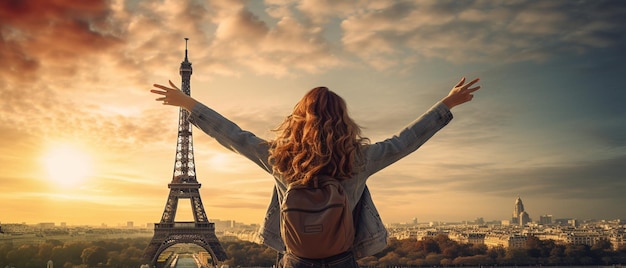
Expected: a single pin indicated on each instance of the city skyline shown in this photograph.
(83, 141)
(504, 220)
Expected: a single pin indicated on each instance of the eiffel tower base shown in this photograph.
(169, 234)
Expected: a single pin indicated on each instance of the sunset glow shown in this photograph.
(67, 166)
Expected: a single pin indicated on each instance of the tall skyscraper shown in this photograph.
(520, 216)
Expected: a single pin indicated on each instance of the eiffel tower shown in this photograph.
(184, 186)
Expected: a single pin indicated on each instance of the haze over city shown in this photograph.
(82, 140)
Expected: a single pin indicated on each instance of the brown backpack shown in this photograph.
(316, 221)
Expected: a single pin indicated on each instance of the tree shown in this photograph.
(452, 250)
(602, 252)
(556, 255)
(94, 255)
(444, 241)
(114, 259)
(428, 245)
(433, 259)
(246, 253)
(621, 254)
(4, 249)
(577, 255)
(405, 247)
(497, 254)
(478, 249)
(533, 247)
(390, 259)
(70, 252)
(369, 261)
(45, 249)
(516, 256)
(476, 260)
(24, 256)
(132, 256)
(445, 262)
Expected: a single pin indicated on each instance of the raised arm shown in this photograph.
(226, 132)
(414, 135)
(460, 93)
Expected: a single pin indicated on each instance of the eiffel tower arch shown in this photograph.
(184, 185)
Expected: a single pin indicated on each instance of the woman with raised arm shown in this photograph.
(320, 138)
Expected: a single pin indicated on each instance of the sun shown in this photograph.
(66, 165)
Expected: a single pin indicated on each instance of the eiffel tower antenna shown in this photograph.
(186, 39)
(184, 185)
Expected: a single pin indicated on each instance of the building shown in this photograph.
(520, 216)
(545, 219)
(468, 238)
(46, 225)
(223, 224)
(617, 240)
(524, 218)
(581, 237)
(407, 234)
(505, 240)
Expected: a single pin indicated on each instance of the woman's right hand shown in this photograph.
(173, 96)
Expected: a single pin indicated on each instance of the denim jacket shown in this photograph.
(371, 234)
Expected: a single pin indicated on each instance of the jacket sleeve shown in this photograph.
(230, 135)
(384, 153)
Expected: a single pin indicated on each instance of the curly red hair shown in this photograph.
(317, 138)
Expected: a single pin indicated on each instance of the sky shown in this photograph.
(82, 140)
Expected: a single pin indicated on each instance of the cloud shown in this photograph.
(36, 32)
(592, 179)
(228, 35)
(242, 39)
(81, 72)
(481, 31)
(320, 12)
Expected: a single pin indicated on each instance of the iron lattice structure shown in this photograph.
(184, 185)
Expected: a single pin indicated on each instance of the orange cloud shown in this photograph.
(41, 30)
